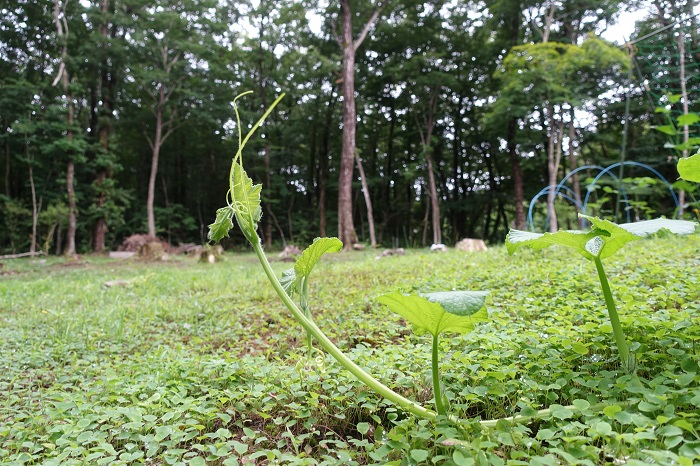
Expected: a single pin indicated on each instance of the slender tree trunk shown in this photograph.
(323, 170)
(368, 202)
(7, 163)
(346, 226)
(573, 165)
(105, 129)
(62, 30)
(434, 206)
(35, 210)
(552, 170)
(684, 98)
(154, 170)
(518, 185)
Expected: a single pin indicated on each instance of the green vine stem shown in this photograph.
(439, 405)
(618, 334)
(333, 350)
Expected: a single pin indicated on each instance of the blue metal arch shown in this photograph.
(603, 171)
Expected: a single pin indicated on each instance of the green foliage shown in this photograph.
(689, 168)
(158, 366)
(602, 241)
(455, 312)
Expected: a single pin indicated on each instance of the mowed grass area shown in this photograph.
(186, 363)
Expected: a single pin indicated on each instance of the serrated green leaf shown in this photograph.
(462, 303)
(649, 227)
(245, 199)
(688, 119)
(674, 98)
(311, 255)
(689, 168)
(666, 129)
(222, 225)
(430, 316)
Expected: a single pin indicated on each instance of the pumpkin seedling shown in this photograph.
(296, 279)
(602, 241)
(435, 313)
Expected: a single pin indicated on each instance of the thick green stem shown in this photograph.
(439, 405)
(619, 335)
(333, 350)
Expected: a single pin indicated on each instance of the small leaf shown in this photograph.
(603, 428)
(462, 303)
(689, 168)
(688, 119)
(420, 455)
(579, 348)
(288, 280)
(611, 410)
(430, 316)
(661, 110)
(222, 225)
(674, 98)
(363, 428)
(311, 255)
(666, 129)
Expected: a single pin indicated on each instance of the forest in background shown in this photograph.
(116, 116)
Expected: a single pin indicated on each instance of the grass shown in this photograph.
(188, 363)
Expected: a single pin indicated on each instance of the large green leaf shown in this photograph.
(245, 198)
(222, 225)
(431, 316)
(604, 239)
(689, 168)
(291, 279)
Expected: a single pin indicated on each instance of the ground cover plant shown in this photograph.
(190, 363)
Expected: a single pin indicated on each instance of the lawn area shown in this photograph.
(178, 362)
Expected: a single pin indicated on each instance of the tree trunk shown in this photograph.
(518, 185)
(154, 169)
(346, 227)
(434, 206)
(573, 165)
(105, 129)
(7, 164)
(684, 98)
(552, 170)
(62, 30)
(35, 210)
(368, 202)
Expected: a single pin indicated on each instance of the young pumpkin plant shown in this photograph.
(602, 241)
(436, 313)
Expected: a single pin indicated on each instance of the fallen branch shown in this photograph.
(23, 254)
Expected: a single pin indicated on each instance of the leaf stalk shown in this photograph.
(618, 333)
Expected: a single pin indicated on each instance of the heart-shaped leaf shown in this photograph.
(431, 316)
(689, 168)
(604, 239)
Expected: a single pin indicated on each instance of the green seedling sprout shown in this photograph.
(435, 313)
(296, 279)
(604, 240)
